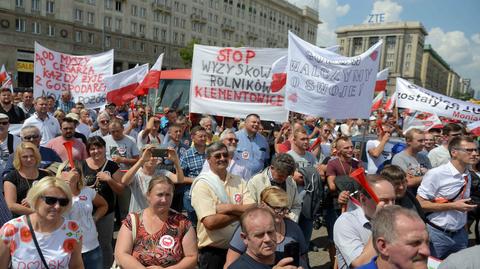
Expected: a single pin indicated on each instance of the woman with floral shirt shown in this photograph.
(59, 239)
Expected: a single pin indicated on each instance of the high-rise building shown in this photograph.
(435, 73)
(139, 30)
(402, 51)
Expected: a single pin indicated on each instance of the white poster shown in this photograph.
(415, 97)
(83, 75)
(236, 82)
(323, 83)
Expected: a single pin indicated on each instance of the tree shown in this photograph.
(186, 53)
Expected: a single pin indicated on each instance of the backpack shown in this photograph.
(313, 201)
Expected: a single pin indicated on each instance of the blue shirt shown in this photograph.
(370, 265)
(66, 107)
(253, 149)
(192, 162)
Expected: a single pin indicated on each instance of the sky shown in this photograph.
(453, 26)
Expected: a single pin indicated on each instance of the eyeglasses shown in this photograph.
(232, 139)
(50, 200)
(104, 121)
(327, 131)
(4, 123)
(279, 210)
(468, 150)
(30, 137)
(219, 155)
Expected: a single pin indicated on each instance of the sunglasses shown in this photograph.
(4, 123)
(232, 139)
(104, 121)
(50, 200)
(219, 155)
(31, 137)
(471, 150)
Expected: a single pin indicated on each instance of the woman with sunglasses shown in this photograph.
(162, 238)
(275, 199)
(104, 177)
(84, 200)
(17, 182)
(59, 239)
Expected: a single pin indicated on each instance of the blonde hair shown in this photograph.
(38, 189)
(17, 163)
(160, 180)
(274, 197)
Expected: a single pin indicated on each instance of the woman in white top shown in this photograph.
(59, 239)
(83, 201)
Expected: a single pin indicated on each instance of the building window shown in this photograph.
(357, 43)
(134, 10)
(78, 36)
(390, 42)
(107, 22)
(143, 12)
(36, 28)
(118, 24)
(372, 40)
(119, 43)
(50, 7)
(50, 30)
(91, 38)
(108, 41)
(133, 27)
(164, 34)
(78, 15)
(142, 28)
(118, 5)
(92, 2)
(19, 3)
(142, 46)
(409, 47)
(90, 17)
(35, 5)
(156, 32)
(108, 4)
(155, 49)
(20, 25)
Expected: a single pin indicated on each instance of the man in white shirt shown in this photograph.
(376, 153)
(48, 125)
(445, 192)
(440, 154)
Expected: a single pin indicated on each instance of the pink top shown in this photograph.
(79, 149)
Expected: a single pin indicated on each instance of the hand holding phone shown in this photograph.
(292, 249)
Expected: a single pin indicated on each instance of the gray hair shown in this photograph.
(284, 164)
(103, 114)
(204, 120)
(28, 128)
(215, 147)
(227, 132)
(384, 222)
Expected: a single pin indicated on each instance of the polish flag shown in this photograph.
(279, 70)
(381, 83)
(377, 101)
(152, 79)
(474, 128)
(121, 86)
(5, 79)
(390, 102)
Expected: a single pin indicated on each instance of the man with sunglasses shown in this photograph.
(445, 193)
(31, 134)
(219, 199)
(440, 154)
(47, 124)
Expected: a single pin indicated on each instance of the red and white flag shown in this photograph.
(121, 86)
(152, 79)
(474, 128)
(390, 102)
(420, 120)
(377, 101)
(382, 78)
(5, 79)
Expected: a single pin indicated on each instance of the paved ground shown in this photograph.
(319, 259)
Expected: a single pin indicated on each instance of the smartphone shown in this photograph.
(292, 249)
(159, 152)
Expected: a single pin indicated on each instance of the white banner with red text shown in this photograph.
(83, 75)
(235, 82)
(323, 83)
(415, 97)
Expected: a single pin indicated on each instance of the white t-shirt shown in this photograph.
(139, 187)
(373, 163)
(81, 212)
(56, 246)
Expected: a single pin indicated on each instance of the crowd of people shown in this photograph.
(123, 187)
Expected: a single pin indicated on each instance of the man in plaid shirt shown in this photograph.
(192, 162)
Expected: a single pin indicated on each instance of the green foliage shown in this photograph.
(186, 53)
(462, 96)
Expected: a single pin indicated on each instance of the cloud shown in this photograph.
(328, 12)
(391, 10)
(462, 53)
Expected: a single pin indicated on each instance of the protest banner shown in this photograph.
(236, 82)
(83, 76)
(415, 97)
(121, 86)
(420, 120)
(322, 83)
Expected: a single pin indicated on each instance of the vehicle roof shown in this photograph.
(176, 74)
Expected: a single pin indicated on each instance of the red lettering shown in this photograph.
(39, 59)
(250, 55)
(38, 80)
(48, 55)
(227, 54)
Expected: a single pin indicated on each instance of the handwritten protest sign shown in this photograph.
(236, 82)
(81, 75)
(415, 97)
(323, 83)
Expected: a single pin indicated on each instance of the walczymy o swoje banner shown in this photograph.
(415, 97)
(235, 82)
(83, 75)
(322, 83)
